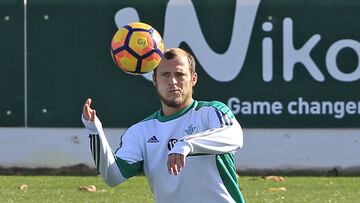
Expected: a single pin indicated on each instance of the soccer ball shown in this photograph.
(137, 48)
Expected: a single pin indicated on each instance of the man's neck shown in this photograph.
(167, 110)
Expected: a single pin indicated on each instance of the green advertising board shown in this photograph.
(276, 64)
(11, 63)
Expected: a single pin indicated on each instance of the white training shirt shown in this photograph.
(207, 132)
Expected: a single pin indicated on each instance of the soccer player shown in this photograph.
(185, 149)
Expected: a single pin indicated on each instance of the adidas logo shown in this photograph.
(153, 139)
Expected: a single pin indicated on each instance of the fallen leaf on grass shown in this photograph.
(23, 187)
(275, 178)
(277, 189)
(88, 188)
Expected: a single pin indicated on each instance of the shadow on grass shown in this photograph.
(84, 170)
(76, 170)
(319, 172)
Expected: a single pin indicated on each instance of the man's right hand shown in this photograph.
(88, 113)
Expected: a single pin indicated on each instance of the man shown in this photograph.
(186, 149)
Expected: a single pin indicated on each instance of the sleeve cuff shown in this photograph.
(90, 127)
(181, 147)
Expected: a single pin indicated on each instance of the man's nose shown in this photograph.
(172, 79)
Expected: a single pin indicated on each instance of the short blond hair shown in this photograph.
(173, 52)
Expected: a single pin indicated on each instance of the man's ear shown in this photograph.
(194, 78)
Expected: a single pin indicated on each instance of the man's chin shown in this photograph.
(174, 103)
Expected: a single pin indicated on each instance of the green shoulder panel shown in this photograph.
(218, 105)
(152, 116)
(197, 104)
(129, 170)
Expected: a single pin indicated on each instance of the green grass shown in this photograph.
(66, 189)
(255, 189)
(302, 189)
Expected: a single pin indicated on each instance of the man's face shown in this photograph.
(174, 82)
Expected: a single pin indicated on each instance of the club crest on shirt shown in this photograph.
(190, 129)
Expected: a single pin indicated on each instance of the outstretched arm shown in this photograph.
(110, 167)
(219, 140)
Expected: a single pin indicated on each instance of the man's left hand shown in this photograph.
(175, 163)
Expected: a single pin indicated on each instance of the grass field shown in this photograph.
(255, 189)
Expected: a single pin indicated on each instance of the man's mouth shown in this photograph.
(174, 90)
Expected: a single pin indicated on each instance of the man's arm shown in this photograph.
(224, 139)
(113, 169)
(102, 153)
(225, 135)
